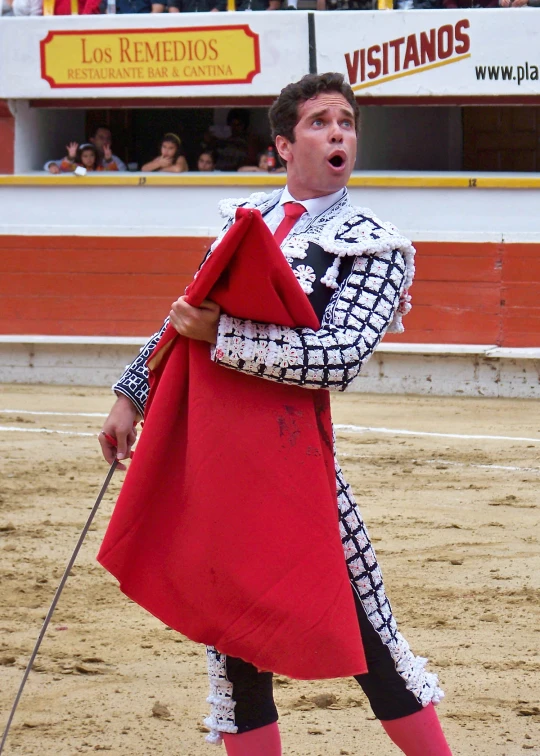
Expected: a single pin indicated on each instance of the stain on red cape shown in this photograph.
(226, 527)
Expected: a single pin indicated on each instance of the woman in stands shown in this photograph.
(170, 159)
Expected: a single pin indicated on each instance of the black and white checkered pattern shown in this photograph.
(133, 382)
(367, 581)
(356, 319)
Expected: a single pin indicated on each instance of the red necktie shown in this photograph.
(293, 211)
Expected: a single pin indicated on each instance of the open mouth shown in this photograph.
(337, 161)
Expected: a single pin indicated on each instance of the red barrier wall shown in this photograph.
(464, 293)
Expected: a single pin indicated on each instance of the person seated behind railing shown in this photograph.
(86, 156)
(194, 6)
(22, 8)
(258, 5)
(102, 140)
(463, 4)
(371, 5)
(170, 158)
(206, 162)
(138, 6)
(346, 4)
(262, 165)
(53, 7)
(240, 147)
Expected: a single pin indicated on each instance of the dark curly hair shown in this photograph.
(284, 112)
(88, 148)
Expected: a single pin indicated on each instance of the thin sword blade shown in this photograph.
(55, 599)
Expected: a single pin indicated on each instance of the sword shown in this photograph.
(57, 595)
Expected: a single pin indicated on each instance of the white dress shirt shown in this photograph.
(314, 207)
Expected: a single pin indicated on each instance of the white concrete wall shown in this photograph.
(42, 134)
(394, 368)
(92, 209)
(450, 374)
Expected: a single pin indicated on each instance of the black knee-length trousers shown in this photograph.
(383, 686)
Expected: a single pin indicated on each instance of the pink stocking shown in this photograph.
(264, 741)
(418, 734)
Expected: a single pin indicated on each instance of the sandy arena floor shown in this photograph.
(455, 522)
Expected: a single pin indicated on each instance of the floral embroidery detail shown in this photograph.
(306, 276)
(261, 352)
(287, 356)
(221, 700)
(295, 248)
(235, 348)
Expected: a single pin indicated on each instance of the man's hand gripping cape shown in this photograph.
(226, 527)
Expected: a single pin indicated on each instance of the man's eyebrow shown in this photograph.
(344, 111)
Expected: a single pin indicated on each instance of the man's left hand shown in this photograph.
(200, 323)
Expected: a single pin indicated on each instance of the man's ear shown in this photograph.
(283, 146)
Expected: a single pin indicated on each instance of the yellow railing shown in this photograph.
(395, 181)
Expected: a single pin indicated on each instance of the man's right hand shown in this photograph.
(120, 425)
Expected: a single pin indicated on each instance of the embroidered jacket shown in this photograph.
(370, 269)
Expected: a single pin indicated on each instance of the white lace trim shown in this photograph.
(365, 236)
(423, 685)
(221, 718)
(357, 240)
(261, 200)
(367, 581)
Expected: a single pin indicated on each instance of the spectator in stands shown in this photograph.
(102, 139)
(23, 8)
(262, 165)
(346, 4)
(170, 158)
(470, 4)
(53, 7)
(239, 148)
(138, 6)
(65, 164)
(64, 8)
(86, 156)
(194, 6)
(426, 4)
(206, 161)
(258, 5)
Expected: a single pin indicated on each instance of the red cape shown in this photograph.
(226, 527)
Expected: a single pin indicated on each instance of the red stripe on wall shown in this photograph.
(94, 286)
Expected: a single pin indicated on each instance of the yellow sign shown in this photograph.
(150, 57)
